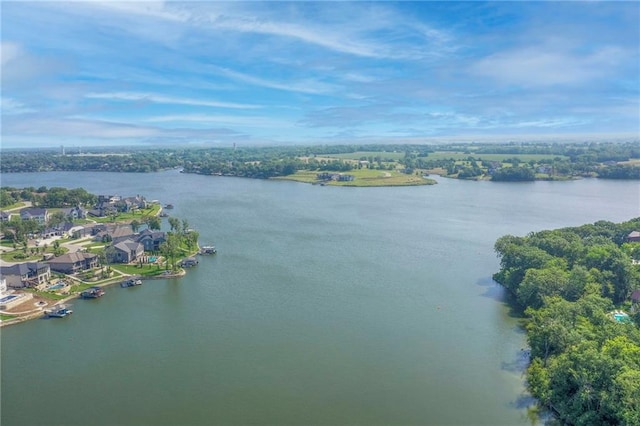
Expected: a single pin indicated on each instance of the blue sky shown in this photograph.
(85, 73)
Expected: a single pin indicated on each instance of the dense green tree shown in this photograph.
(584, 365)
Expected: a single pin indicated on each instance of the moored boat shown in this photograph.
(92, 293)
(131, 282)
(59, 311)
(208, 250)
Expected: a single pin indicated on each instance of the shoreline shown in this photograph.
(38, 312)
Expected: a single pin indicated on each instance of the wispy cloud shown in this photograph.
(310, 86)
(161, 99)
(544, 66)
(228, 120)
(11, 106)
(305, 71)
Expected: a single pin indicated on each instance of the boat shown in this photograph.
(92, 293)
(59, 311)
(131, 282)
(168, 206)
(208, 250)
(189, 262)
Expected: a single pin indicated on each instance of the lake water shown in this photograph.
(323, 306)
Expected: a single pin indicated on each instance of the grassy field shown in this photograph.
(631, 162)
(364, 177)
(147, 270)
(359, 154)
(139, 215)
(15, 255)
(14, 206)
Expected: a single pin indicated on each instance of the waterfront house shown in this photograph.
(127, 251)
(71, 263)
(34, 213)
(151, 240)
(105, 206)
(28, 274)
(74, 213)
(133, 203)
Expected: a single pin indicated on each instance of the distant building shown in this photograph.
(335, 177)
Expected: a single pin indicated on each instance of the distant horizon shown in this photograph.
(102, 73)
(71, 149)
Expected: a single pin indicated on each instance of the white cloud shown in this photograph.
(544, 66)
(10, 51)
(10, 106)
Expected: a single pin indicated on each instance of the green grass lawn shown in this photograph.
(4, 317)
(359, 154)
(364, 177)
(139, 215)
(147, 270)
(15, 255)
(15, 205)
(7, 243)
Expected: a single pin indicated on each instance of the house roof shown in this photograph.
(77, 256)
(23, 268)
(33, 211)
(156, 235)
(128, 245)
(633, 234)
(635, 296)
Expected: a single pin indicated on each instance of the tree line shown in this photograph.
(585, 365)
(570, 159)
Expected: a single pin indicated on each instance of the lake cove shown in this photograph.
(324, 305)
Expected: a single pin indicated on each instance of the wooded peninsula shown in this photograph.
(352, 165)
(580, 288)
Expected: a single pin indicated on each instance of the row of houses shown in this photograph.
(124, 249)
(106, 205)
(114, 204)
(42, 215)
